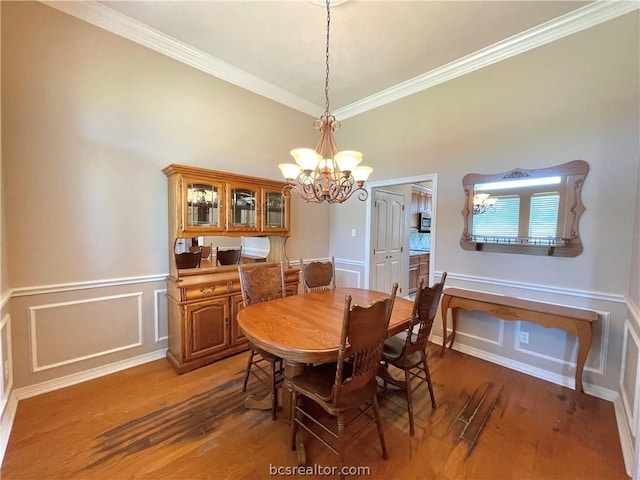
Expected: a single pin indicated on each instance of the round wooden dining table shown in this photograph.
(304, 329)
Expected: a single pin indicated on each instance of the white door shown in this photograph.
(387, 235)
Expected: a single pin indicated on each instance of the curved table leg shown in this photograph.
(583, 331)
(446, 301)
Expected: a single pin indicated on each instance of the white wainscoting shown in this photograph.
(135, 316)
(349, 277)
(604, 320)
(628, 402)
(6, 365)
(160, 315)
(598, 363)
(117, 317)
(629, 385)
(497, 339)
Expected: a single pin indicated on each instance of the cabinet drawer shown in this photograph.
(205, 291)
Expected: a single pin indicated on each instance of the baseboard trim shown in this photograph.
(562, 380)
(626, 439)
(7, 424)
(85, 376)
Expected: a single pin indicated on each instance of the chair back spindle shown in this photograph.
(364, 329)
(425, 309)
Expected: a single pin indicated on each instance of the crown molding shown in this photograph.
(113, 21)
(108, 19)
(581, 19)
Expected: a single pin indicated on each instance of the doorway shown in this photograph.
(372, 234)
(387, 238)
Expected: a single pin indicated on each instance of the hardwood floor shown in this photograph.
(149, 423)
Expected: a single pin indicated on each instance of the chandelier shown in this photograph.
(483, 202)
(324, 173)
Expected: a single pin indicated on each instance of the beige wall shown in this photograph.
(89, 121)
(634, 268)
(576, 98)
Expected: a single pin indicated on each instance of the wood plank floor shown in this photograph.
(149, 423)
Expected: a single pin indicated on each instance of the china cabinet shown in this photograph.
(203, 302)
(209, 202)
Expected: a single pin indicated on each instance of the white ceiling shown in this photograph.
(379, 50)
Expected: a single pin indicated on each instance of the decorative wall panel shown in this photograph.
(99, 326)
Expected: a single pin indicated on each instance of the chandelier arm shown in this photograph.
(363, 193)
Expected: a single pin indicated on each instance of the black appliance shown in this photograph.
(425, 223)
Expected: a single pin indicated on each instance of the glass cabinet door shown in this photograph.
(243, 207)
(276, 211)
(203, 209)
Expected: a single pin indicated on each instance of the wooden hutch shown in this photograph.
(203, 302)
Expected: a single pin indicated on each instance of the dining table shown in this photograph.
(305, 329)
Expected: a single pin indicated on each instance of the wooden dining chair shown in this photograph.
(318, 275)
(188, 259)
(260, 284)
(408, 350)
(228, 257)
(347, 387)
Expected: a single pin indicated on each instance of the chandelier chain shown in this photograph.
(324, 174)
(326, 81)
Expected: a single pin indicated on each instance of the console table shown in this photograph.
(573, 320)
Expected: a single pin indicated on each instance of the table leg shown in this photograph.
(446, 301)
(583, 331)
(291, 369)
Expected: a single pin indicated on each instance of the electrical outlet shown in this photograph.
(353, 232)
(524, 337)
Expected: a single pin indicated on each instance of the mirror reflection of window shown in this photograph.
(543, 216)
(525, 211)
(503, 221)
(508, 220)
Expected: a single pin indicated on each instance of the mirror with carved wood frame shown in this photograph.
(533, 212)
